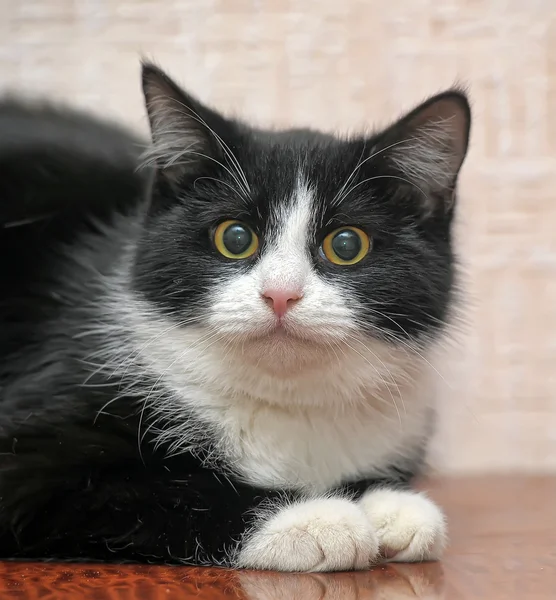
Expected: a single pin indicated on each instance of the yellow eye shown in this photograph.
(346, 246)
(234, 239)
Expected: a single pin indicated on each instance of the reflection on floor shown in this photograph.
(503, 547)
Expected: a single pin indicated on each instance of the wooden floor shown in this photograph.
(503, 547)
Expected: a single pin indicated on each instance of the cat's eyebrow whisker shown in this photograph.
(175, 161)
(225, 146)
(157, 153)
(374, 178)
(398, 143)
(230, 155)
(357, 166)
(339, 197)
(221, 182)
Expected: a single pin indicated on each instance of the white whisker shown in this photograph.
(380, 377)
(340, 195)
(230, 155)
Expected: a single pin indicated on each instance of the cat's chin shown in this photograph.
(289, 337)
(283, 351)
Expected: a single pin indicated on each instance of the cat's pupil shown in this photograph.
(237, 238)
(346, 244)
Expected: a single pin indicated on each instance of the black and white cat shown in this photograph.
(223, 357)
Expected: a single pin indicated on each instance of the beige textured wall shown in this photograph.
(350, 63)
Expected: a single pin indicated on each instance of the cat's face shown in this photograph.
(292, 247)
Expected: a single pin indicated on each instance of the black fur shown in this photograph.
(73, 483)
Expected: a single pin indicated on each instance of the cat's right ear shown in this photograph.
(183, 130)
(427, 147)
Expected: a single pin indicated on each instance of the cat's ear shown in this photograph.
(182, 129)
(427, 147)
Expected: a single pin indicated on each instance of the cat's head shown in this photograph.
(289, 247)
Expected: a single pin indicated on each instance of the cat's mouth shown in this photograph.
(278, 332)
(282, 332)
(287, 348)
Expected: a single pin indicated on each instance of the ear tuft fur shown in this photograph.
(429, 145)
(181, 137)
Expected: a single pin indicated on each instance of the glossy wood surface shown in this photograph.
(503, 533)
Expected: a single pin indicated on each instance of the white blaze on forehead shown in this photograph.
(287, 261)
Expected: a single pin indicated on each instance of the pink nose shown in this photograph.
(280, 300)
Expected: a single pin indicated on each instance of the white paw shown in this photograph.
(329, 534)
(409, 526)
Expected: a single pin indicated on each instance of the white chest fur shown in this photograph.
(315, 448)
(346, 418)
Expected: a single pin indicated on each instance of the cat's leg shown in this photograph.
(199, 517)
(324, 534)
(123, 514)
(410, 527)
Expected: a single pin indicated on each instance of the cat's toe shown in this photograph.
(409, 526)
(316, 535)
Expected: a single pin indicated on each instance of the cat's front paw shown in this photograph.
(409, 526)
(329, 534)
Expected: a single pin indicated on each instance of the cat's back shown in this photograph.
(55, 159)
(64, 175)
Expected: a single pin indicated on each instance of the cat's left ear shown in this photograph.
(427, 147)
(184, 131)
